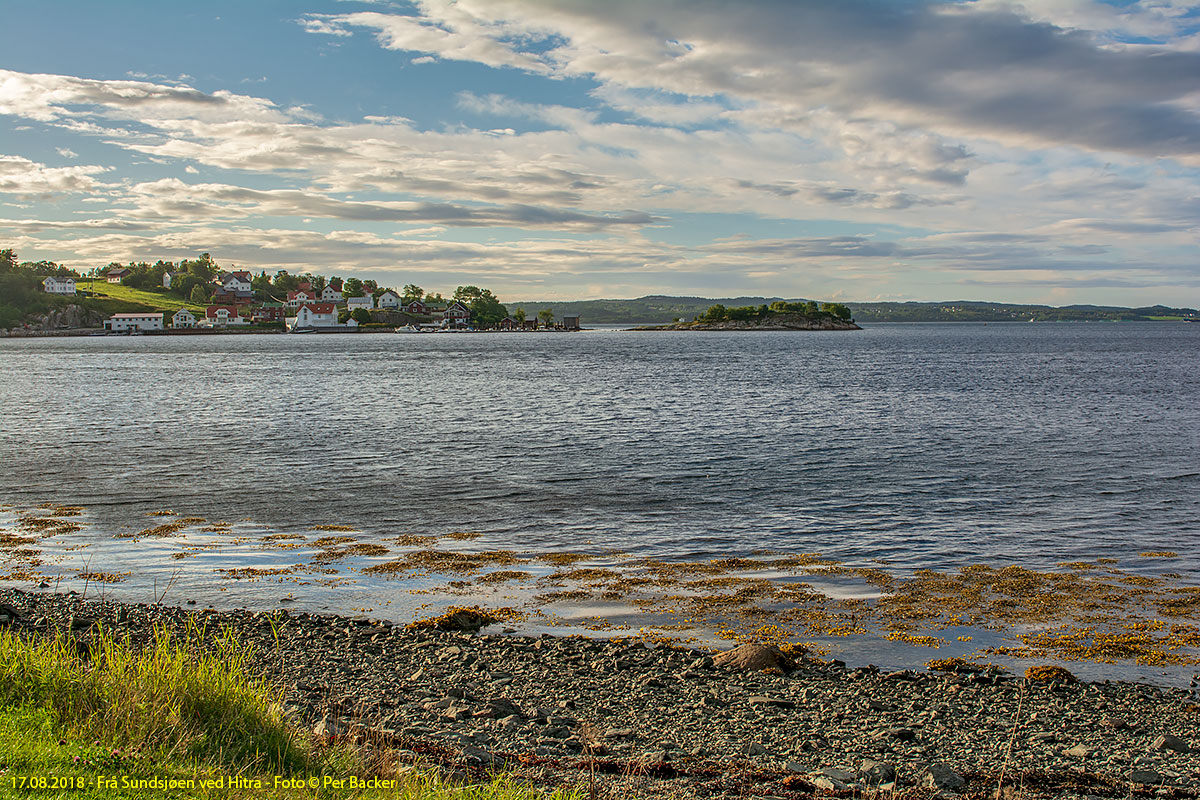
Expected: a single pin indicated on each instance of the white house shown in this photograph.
(224, 316)
(366, 302)
(183, 319)
(55, 285)
(169, 277)
(238, 281)
(135, 322)
(389, 299)
(300, 297)
(331, 295)
(316, 315)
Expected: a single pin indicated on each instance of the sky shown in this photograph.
(1044, 151)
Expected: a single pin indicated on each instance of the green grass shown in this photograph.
(126, 724)
(160, 300)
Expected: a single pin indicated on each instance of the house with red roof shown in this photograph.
(301, 296)
(224, 316)
(316, 315)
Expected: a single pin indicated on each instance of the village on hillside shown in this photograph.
(238, 299)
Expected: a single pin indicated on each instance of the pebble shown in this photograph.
(491, 698)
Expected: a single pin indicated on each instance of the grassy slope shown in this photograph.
(160, 301)
(182, 710)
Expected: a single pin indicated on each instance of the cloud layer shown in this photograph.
(1047, 150)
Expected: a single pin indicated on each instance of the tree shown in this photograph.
(203, 267)
(198, 295)
(285, 282)
(411, 292)
(8, 260)
(519, 316)
(836, 309)
(810, 308)
(353, 287)
(361, 316)
(546, 317)
(260, 284)
(715, 313)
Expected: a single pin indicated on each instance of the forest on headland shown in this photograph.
(21, 297)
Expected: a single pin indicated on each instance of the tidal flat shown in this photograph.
(1103, 619)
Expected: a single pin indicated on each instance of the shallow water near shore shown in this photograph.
(902, 447)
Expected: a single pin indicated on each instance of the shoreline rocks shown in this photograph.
(671, 722)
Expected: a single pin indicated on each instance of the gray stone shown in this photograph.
(1078, 751)
(1146, 777)
(874, 773)
(827, 783)
(1169, 742)
(478, 756)
(941, 776)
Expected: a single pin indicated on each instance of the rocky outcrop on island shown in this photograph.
(769, 322)
(653, 722)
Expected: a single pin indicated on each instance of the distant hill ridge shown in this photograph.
(658, 309)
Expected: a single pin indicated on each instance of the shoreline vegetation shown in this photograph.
(97, 686)
(102, 710)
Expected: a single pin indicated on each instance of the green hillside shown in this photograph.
(157, 300)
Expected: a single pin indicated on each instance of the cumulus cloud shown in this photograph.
(25, 178)
(47, 98)
(980, 69)
(170, 198)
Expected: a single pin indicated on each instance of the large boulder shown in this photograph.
(754, 657)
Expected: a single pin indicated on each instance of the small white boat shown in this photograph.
(407, 329)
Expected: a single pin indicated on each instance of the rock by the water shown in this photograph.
(754, 657)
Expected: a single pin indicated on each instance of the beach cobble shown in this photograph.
(649, 721)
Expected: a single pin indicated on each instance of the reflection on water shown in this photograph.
(917, 446)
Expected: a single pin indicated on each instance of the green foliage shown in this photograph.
(285, 282)
(519, 316)
(486, 310)
(546, 316)
(185, 708)
(260, 284)
(720, 313)
(198, 295)
(193, 695)
(353, 287)
(836, 310)
(361, 316)
(411, 292)
(8, 260)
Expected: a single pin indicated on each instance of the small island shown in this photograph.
(778, 316)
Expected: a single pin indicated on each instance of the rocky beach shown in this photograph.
(662, 721)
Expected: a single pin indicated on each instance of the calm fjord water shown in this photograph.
(926, 445)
